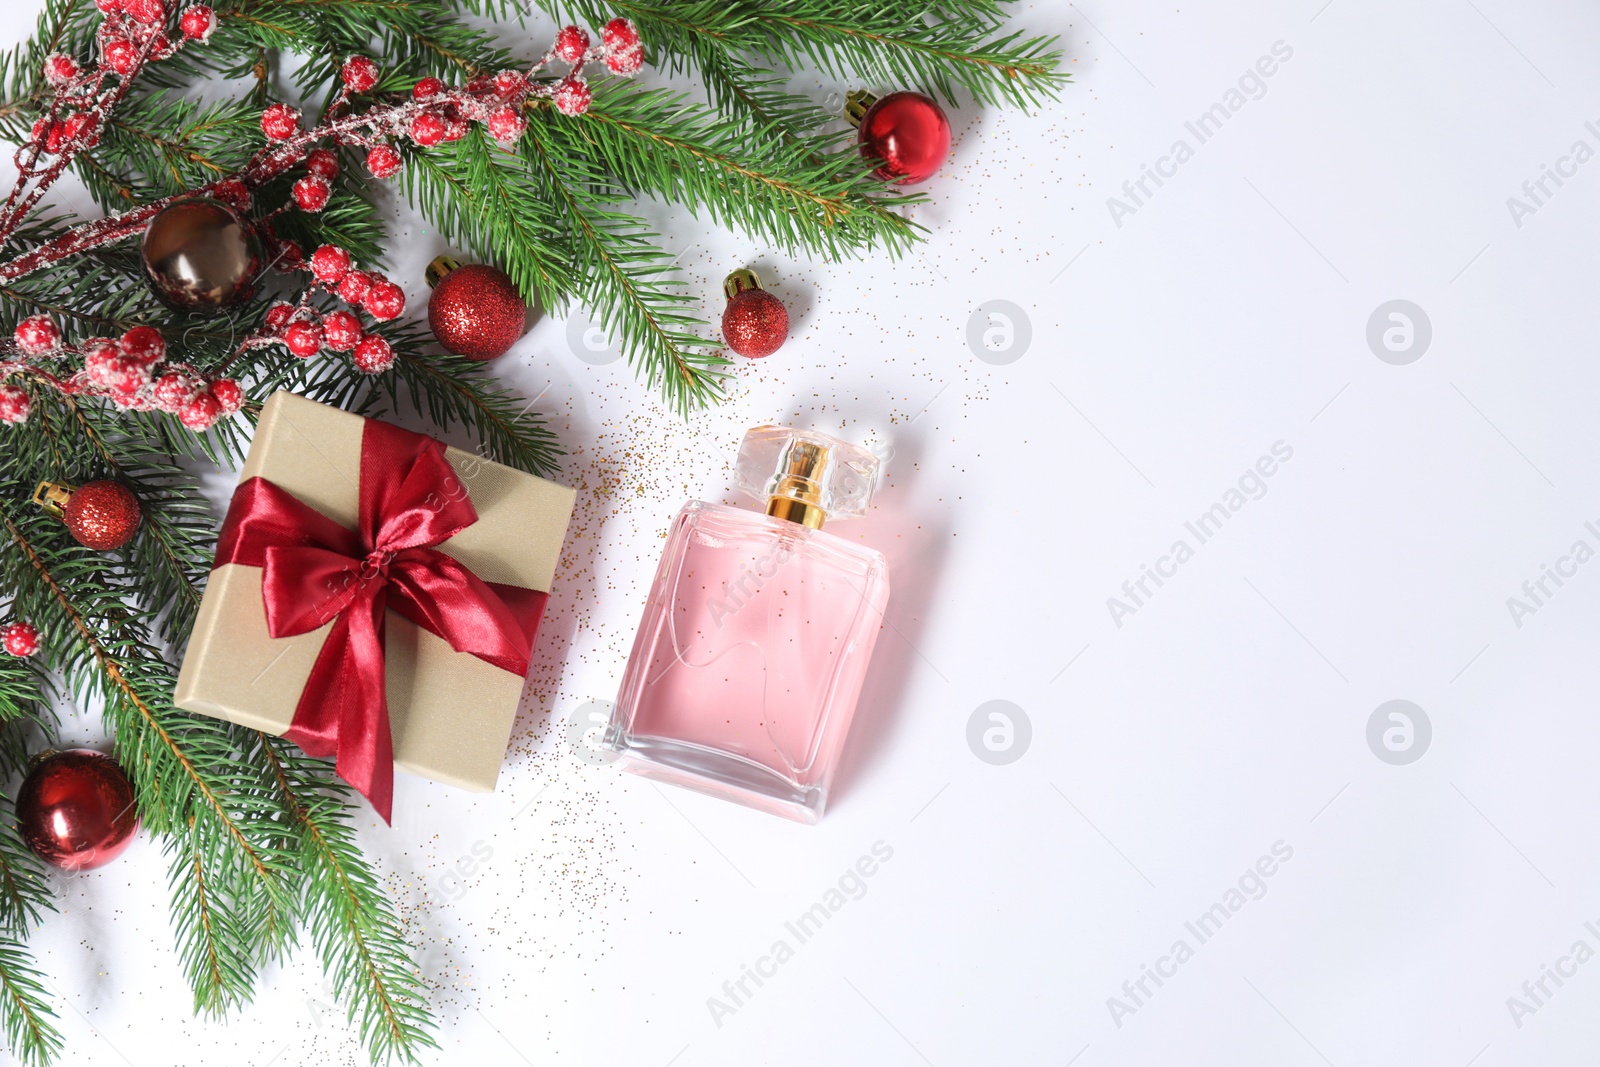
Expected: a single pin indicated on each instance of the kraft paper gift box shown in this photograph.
(450, 713)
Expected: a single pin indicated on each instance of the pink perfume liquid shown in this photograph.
(750, 658)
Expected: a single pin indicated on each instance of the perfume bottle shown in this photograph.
(757, 632)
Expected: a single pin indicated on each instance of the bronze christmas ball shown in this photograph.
(200, 253)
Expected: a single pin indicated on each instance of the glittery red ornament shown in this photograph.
(475, 310)
(76, 810)
(908, 132)
(755, 323)
(101, 515)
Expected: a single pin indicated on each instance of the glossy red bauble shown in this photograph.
(910, 136)
(75, 809)
(476, 311)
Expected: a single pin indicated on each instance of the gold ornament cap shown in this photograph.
(805, 477)
(53, 497)
(438, 268)
(740, 280)
(857, 103)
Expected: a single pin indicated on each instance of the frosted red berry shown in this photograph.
(427, 87)
(625, 60)
(278, 315)
(510, 82)
(341, 331)
(201, 412)
(234, 193)
(323, 163)
(144, 343)
(197, 22)
(329, 264)
(571, 43)
(312, 193)
(359, 74)
(383, 161)
(303, 337)
(108, 7)
(173, 390)
(572, 96)
(15, 404)
(80, 129)
(385, 300)
(120, 55)
(619, 34)
(148, 12)
(428, 129)
(373, 355)
(228, 395)
(353, 287)
(59, 69)
(48, 136)
(287, 256)
(280, 122)
(128, 375)
(21, 639)
(37, 334)
(100, 355)
(505, 124)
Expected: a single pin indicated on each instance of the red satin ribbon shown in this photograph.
(316, 571)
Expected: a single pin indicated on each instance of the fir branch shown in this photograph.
(173, 548)
(955, 43)
(801, 194)
(187, 772)
(355, 930)
(483, 200)
(217, 955)
(24, 892)
(25, 1015)
(632, 283)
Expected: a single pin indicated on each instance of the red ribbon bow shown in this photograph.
(316, 571)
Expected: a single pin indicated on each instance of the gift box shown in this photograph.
(375, 598)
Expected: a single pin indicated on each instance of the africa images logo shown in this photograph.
(1252, 85)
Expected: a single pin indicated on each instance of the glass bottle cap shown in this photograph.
(805, 476)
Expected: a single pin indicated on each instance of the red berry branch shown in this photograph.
(131, 371)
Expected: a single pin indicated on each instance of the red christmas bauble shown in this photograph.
(102, 515)
(909, 133)
(755, 323)
(476, 310)
(75, 809)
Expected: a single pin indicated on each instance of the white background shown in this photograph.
(579, 916)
